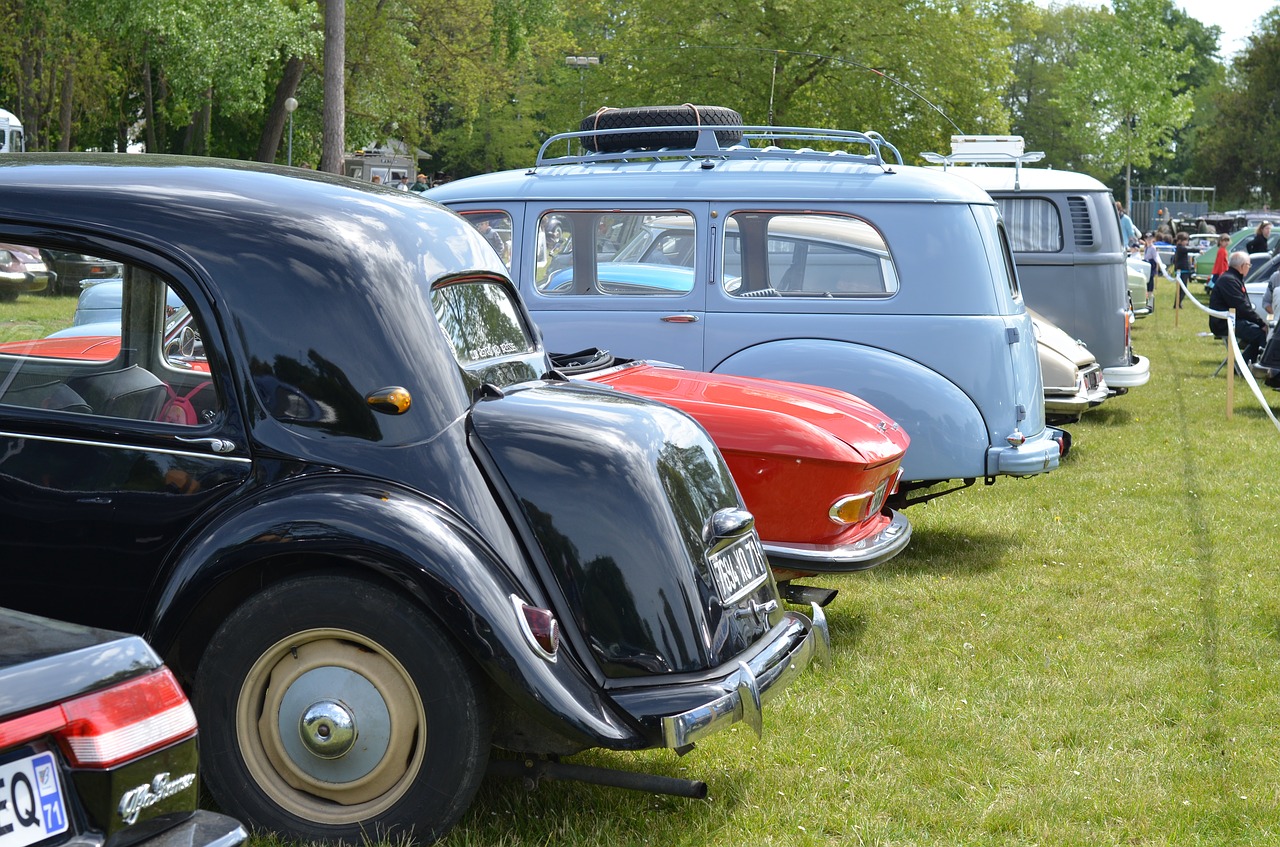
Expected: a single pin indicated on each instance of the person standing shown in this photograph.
(1219, 261)
(421, 184)
(1257, 243)
(1152, 258)
(1230, 293)
(1128, 232)
(1183, 269)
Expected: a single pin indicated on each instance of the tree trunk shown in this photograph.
(278, 116)
(65, 107)
(149, 108)
(333, 136)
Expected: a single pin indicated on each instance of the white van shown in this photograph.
(12, 138)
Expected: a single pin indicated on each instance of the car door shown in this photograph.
(115, 438)
(631, 279)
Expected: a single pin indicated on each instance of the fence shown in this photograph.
(1154, 205)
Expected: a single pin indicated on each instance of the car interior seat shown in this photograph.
(49, 395)
(133, 392)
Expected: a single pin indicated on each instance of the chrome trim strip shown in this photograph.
(867, 553)
(134, 447)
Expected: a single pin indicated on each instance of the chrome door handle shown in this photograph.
(217, 445)
(680, 319)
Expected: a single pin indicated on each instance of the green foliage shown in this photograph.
(1236, 143)
(790, 63)
(1119, 86)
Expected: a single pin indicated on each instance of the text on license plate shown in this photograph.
(737, 569)
(31, 804)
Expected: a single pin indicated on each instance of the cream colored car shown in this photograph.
(1073, 382)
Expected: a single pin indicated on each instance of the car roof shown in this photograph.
(1002, 178)
(670, 181)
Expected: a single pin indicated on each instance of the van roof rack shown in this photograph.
(987, 150)
(707, 146)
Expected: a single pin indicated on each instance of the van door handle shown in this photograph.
(680, 319)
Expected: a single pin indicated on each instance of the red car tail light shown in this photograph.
(540, 627)
(114, 725)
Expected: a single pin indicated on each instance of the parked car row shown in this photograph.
(371, 530)
(323, 463)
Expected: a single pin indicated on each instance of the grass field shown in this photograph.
(1084, 658)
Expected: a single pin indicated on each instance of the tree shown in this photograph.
(1123, 89)
(877, 64)
(333, 136)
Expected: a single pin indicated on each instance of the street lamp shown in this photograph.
(582, 63)
(289, 106)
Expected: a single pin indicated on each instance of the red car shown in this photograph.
(814, 465)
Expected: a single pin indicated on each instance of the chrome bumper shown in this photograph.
(740, 693)
(860, 555)
(1129, 376)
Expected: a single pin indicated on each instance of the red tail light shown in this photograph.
(114, 725)
(540, 627)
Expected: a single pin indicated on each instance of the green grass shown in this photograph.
(34, 316)
(1084, 658)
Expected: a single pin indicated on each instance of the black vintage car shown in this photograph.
(355, 509)
(97, 743)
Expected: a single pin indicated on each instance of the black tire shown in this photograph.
(331, 648)
(8, 296)
(651, 116)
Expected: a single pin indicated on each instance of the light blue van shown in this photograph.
(800, 254)
(1065, 234)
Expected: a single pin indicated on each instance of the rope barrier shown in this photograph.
(1236, 355)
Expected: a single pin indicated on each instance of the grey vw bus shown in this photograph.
(800, 254)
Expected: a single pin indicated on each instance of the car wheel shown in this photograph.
(654, 116)
(8, 296)
(315, 722)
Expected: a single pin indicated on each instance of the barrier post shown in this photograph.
(1231, 363)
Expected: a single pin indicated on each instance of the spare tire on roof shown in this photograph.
(641, 117)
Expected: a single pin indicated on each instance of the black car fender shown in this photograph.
(401, 539)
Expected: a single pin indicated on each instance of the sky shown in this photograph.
(1234, 17)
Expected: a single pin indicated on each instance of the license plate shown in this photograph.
(34, 808)
(877, 501)
(736, 570)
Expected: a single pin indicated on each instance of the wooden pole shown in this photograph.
(1231, 364)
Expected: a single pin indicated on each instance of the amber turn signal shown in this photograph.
(389, 401)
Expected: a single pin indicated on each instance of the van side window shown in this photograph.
(618, 253)
(496, 229)
(1033, 223)
(769, 254)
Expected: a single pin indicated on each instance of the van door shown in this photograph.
(630, 280)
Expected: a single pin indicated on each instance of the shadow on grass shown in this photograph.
(948, 551)
(511, 811)
(1108, 414)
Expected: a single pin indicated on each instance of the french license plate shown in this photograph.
(736, 570)
(32, 807)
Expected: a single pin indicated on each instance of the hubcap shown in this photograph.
(331, 726)
(328, 729)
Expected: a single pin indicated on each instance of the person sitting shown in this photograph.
(1230, 293)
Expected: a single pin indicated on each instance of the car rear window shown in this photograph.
(481, 321)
